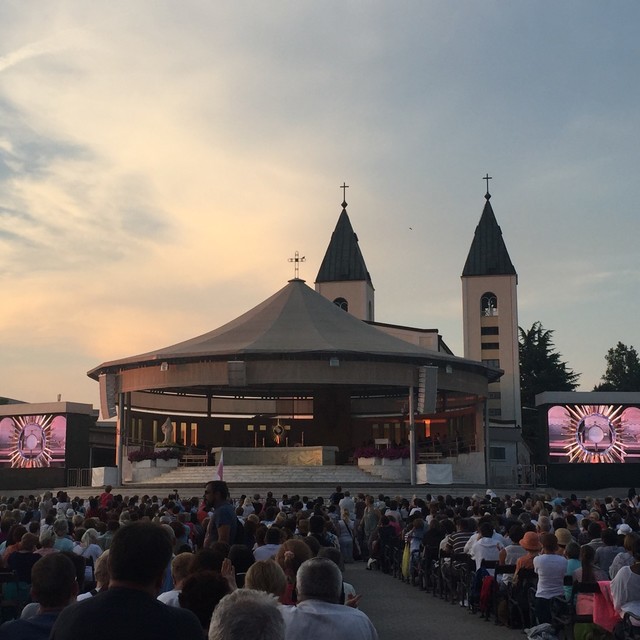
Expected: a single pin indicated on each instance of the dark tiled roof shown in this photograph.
(488, 255)
(343, 259)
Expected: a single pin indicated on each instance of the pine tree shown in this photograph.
(623, 370)
(541, 369)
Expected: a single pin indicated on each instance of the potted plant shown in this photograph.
(142, 458)
(367, 456)
(167, 457)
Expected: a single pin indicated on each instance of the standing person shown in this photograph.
(105, 497)
(551, 569)
(345, 527)
(348, 503)
(368, 525)
(223, 523)
(138, 557)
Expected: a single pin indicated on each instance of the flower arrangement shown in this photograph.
(395, 453)
(390, 453)
(366, 452)
(149, 454)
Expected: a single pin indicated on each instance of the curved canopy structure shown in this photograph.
(292, 343)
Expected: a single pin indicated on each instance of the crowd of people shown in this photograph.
(266, 567)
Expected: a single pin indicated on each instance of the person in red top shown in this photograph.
(105, 497)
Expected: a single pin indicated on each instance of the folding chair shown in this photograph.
(631, 626)
(501, 594)
(10, 601)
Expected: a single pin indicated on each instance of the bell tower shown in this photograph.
(490, 316)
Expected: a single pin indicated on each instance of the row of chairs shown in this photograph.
(13, 595)
(453, 578)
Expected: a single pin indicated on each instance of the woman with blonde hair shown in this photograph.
(345, 529)
(291, 554)
(90, 550)
(47, 538)
(268, 576)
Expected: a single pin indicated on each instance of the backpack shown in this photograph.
(486, 593)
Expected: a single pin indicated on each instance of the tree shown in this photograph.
(623, 370)
(541, 369)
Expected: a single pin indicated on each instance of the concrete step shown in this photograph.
(266, 474)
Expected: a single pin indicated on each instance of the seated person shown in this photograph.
(53, 587)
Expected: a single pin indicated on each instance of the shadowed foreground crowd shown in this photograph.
(267, 568)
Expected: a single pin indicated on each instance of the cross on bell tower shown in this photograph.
(487, 178)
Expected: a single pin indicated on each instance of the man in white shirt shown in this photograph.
(268, 550)
(318, 614)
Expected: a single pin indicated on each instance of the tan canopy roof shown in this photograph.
(295, 320)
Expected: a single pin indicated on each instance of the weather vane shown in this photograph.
(487, 178)
(296, 262)
(344, 186)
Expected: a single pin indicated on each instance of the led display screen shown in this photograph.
(30, 442)
(589, 433)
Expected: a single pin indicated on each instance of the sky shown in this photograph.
(161, 161)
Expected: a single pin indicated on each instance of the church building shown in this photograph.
(490, 322)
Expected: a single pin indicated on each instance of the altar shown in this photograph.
(276, 456)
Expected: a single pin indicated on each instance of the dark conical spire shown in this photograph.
(343, 259)
(488, 255)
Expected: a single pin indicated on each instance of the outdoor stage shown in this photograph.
(277, 456)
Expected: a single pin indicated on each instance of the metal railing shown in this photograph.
(78, 477)
(522, 475)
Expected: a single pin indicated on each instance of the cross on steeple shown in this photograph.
(296, 261)
(487, 178)
(344, 186)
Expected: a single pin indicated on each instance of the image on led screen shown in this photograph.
(594, 433)
(31, 442)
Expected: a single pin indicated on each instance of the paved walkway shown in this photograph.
(399, 610)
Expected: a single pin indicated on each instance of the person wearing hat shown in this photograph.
(564, 538)
(530, 542)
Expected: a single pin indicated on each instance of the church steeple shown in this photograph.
(343, 260)
(343, 277)
(488, 255)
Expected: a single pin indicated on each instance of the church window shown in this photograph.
(489, 304)
(497, 453)
(342, 303)
(490, 345)
(495, 413)
(492, 362)
(494, 395)
(489, 331)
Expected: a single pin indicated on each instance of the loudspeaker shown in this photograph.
(107, 395)
(427, 389)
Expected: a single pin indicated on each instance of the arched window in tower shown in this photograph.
(489, 304)
(342, 303)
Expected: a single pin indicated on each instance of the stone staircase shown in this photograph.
(262, 475)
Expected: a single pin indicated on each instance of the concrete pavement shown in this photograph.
(401, 611)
